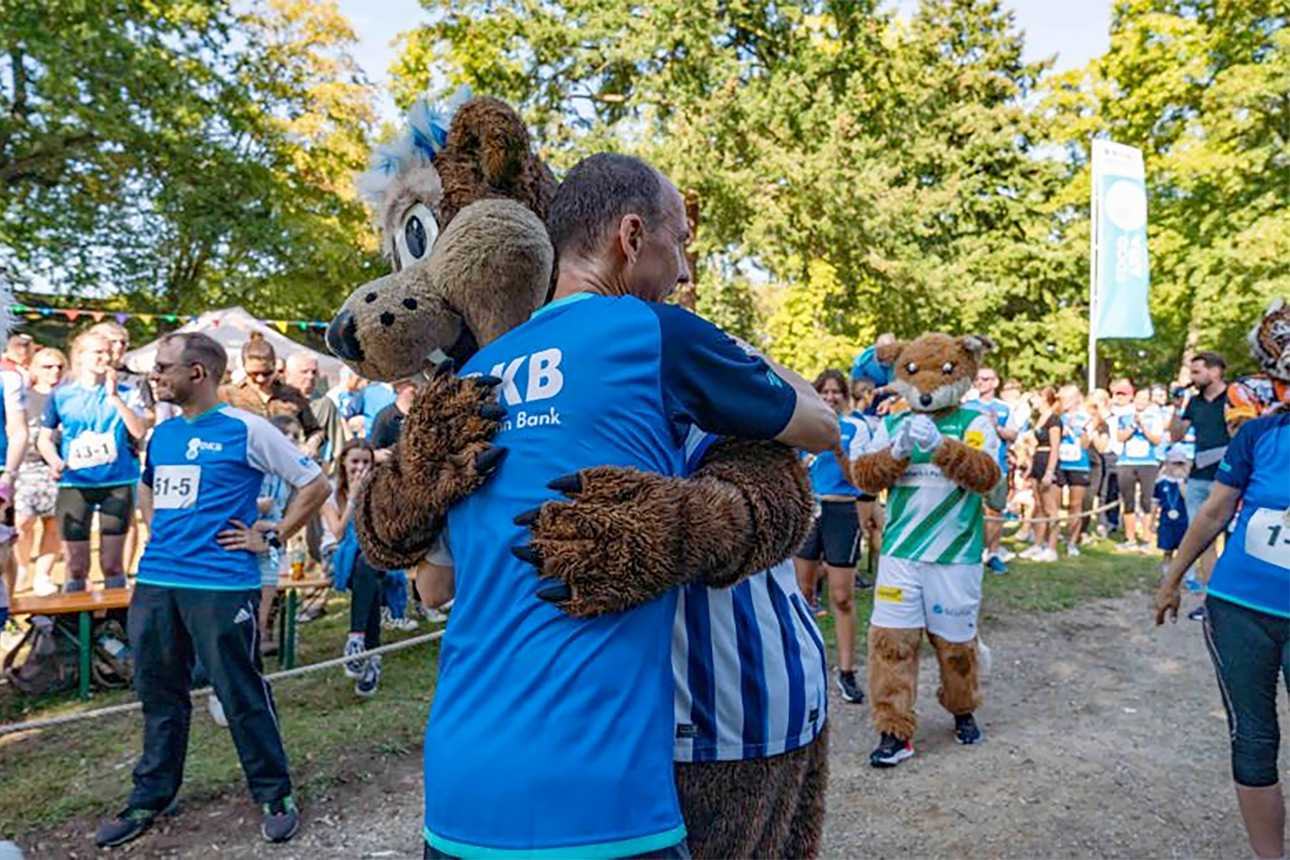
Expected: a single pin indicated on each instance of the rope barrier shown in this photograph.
(1060, 519)
(112, 710)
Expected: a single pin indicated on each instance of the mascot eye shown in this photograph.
(947, 368)
(416, 236)
(911, 368)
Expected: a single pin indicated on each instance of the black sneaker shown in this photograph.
(850, 688)
(966, 731)
(131, 823)
(1197, 614)
(891, 751)
(861, 583)
(281, 820)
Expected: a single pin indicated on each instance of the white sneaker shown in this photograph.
(355, 662)
(1006, 555)
(1046, 555)
(216, 709)
(1030, 553)
(407, 624)
(1128, 546)
(432, 615)
(1072, 550)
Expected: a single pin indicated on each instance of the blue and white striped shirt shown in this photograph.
(748, 663)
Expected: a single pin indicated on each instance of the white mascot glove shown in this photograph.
(902, 445)
(924, 434)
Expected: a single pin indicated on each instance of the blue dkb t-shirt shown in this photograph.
(551, 735)
(1254, 570)
(95, 445)
(203, 473)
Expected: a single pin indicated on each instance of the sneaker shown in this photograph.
(1128, 546)
(996, 564)
(1072, 550)
(850, 688)
(131, 823)
(366, 686)
(1197, 614)
(1030, 552)
(216, 709)
(281, 820)
(891, 751)
(1146, 548)
(1024, 536)
(387, 620)
(966, 731)
(1006, 555)
(354, 649)
(1047, 555)
(433, 616)
(407, 624)
(861, 583)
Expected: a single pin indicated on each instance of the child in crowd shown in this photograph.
(1170, 495)
(275, 494)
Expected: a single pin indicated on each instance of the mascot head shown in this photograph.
(459, 199)
(934, 371)
(1269, 341)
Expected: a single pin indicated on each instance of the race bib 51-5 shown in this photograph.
(91, 449)
(1267, 537)
(175, 487)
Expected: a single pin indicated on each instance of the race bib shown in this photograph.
(1137, 448)
(1069, 452)
(175, 487)
(91, 449)
(1267, 537)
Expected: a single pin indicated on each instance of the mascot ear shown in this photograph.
(976, 344)
(887, 353)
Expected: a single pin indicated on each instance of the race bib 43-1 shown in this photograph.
(1267, 537)
(175, 487)
(91, 449)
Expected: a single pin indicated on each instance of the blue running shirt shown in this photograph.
(95, 444)
(1254, 570)
(825, 471)
(203, 473)
(749, 670)
(11, 401)
(1072, 455)
(550, 735)
(1138, 449)
(1003, 415)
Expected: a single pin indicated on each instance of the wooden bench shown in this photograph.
(81, 603)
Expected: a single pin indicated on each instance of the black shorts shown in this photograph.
(1137, 484)
(76, 505)
(1072, 478)
(835, 536)
(1039, 465)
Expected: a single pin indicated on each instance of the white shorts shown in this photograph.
(944, 598)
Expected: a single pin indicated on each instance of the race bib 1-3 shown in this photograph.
(175, 487)
(1069, 452)
(1137, 448)
(91, 449)
(1267, 537)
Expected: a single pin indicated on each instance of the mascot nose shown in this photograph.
(342, 337)
(926, 398)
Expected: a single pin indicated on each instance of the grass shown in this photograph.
(333, 737)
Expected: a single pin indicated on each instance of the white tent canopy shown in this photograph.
(232, 327)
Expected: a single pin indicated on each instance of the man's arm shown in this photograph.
(710, 381)
(304, 504)
(49, 451)
(145, 503)
(15, 428)
(1204, 528)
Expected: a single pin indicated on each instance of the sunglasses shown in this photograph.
(260, 374)
(49, 367)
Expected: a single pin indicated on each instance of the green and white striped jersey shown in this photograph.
(929, 517)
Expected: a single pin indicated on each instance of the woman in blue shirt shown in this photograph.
(1139, 432)
(99, 422)
(1247, 612)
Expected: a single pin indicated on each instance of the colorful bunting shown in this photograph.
(73, 314)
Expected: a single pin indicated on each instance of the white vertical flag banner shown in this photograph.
(1120, 270)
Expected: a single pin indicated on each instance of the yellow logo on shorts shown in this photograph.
(889, 593)
(974, 439)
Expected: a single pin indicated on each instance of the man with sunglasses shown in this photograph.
(264, 393)
(198, 587)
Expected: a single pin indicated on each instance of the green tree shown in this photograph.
(1203, 87)
(186, 153)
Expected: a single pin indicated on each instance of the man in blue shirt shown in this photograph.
(199, 585)
(575, 758)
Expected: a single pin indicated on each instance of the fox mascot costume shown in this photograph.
(937, 460)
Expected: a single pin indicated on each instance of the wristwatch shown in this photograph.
(271, 538)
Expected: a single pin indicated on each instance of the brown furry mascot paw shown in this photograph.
(444, 454)
(627, 537)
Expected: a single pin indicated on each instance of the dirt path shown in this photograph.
(1104, 737)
